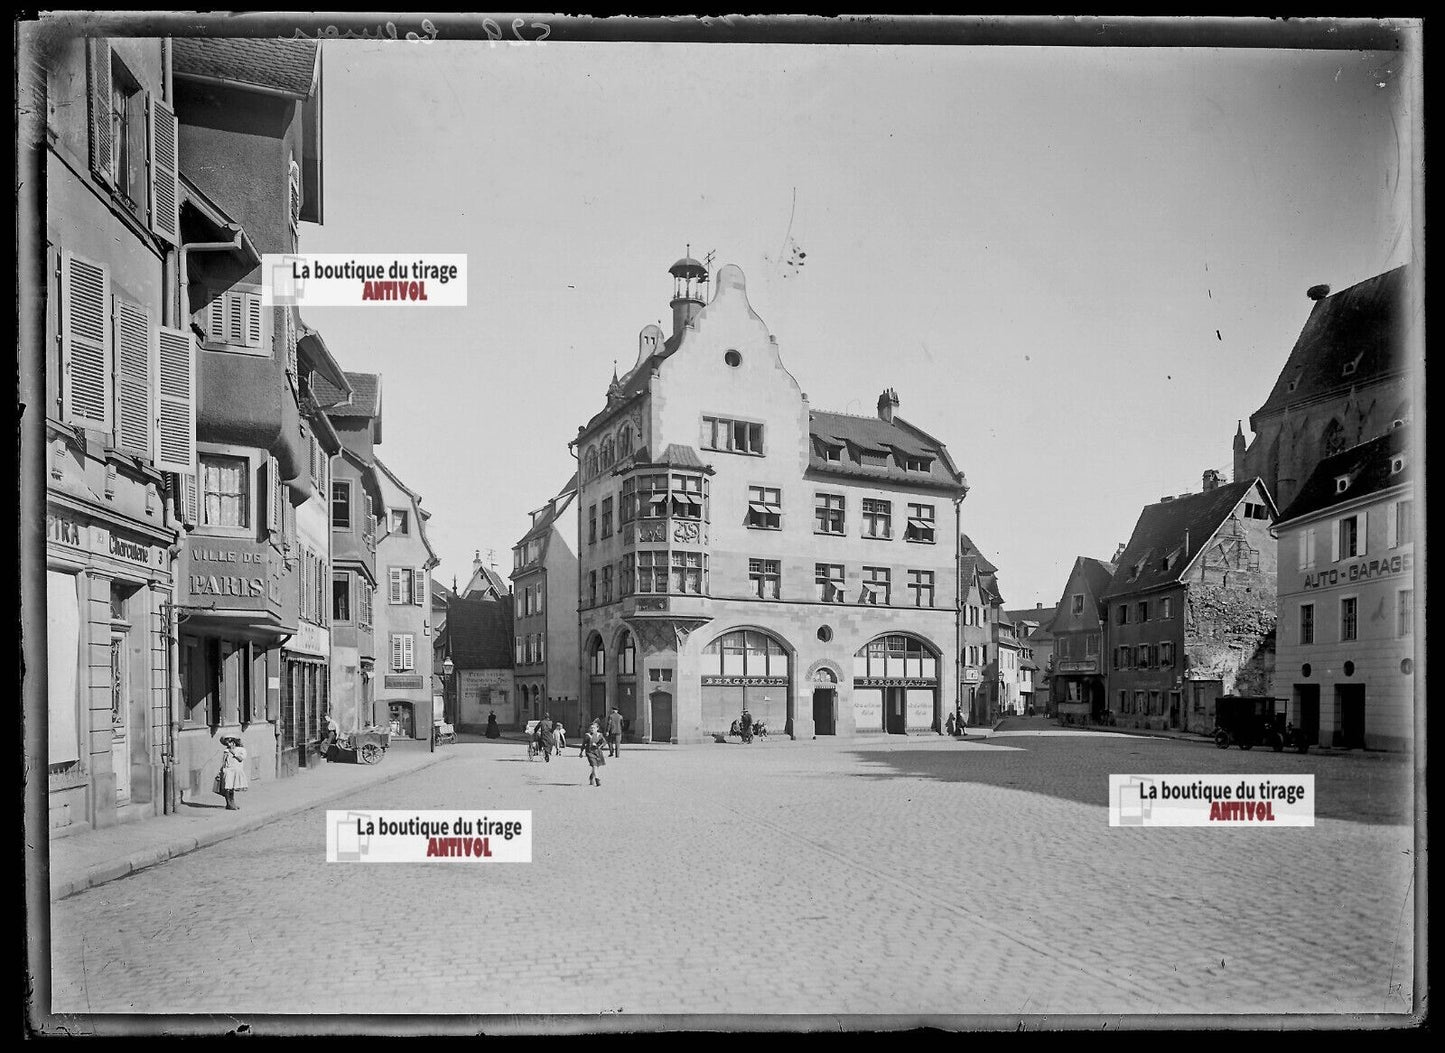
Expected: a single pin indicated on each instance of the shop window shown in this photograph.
(225, 491)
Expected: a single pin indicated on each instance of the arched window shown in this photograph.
(627, 656)
(590, 464)
(624, 441)
(609, 453)
(896, 657)
(1333, 441)
(597, 661)
(745, 652)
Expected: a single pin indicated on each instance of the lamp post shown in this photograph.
(448, 669)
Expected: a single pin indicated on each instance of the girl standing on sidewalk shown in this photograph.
(592, 746)
(233, 772)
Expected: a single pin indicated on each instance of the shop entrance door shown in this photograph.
(1309, 711)
(824, 721)
(894, 716)
(661, 716)
(1352, 716)
(119, 717)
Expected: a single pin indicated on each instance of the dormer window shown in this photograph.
(917, 464)
(1342, 483)
(873, 458)
(1352, 365)
(831, 451)
(1397, 464)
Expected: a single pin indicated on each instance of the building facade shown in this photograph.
(408, 696)
(477, 641)
(1192, 607)
(119, 365)
(355, 497)
(1036, 648)
(739, 549)
(253, 575)
(1347, 380)
(1079, 674)
(1348, 646)
(980, 608)
(544, 588)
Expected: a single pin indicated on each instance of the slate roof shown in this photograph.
(1367, 465)
(553, 510)
(281, 64)
(365, 395)
(966, 547)
(478, 633)
(1363, 325)
(897, 438)
(1161, 530)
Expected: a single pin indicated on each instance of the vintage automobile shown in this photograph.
(1247, 721)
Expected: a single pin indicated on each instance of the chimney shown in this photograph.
(477, 562)
(1118, 553)
(887, 403)
(1317, 292)
(1038, 606)
(1211, 479)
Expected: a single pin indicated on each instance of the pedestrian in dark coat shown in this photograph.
(493, 731)
(614, 731)
(548, 737)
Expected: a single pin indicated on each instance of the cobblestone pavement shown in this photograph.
(921, 877)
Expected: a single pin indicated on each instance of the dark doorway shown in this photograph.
(1352, 715)
(661, 716)
(1308, 696)
(894, 719)
(824, 721)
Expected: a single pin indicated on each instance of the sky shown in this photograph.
(1078, 267)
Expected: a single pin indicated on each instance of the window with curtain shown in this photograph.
(226, 485)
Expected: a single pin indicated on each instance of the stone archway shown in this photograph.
(896, 684)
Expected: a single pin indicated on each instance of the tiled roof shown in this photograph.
(1362, 326)
(966, 547)
(1368, 468)
(552, 510)
(479, 633)
(1161, 531)
(365, 395)
(896, 438)
(281, 64)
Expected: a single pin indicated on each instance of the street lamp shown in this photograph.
(448, 668)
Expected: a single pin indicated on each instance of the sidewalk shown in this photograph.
(93, 857)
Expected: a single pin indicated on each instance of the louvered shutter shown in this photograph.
(85, 343)
(418, 588)
(102, 151)
(134, 361)
(165, 169)
(251, 304)
(294, 196)
(176, 401)
(1392, 525)
(394, 576)
(216, 319)
(190, 499)
(1304, 549)
(396, 652)
(273, 496)
(235, 319)
(408, 655)
(1335, 541)
(289, 330)
(1362, 519)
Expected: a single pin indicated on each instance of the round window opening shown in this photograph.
(1349, 669)
(825, 633)
(733, 359)
(1305, 669)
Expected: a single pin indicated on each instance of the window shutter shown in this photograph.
(289, 334)
(134, 358)
(216, 319)
(1304, 549)
(418, 592)
(294, 186)
(1362, 519)
(1335, 541)
(1392, 524)
(394, 577)
(101, 148)
(1310, 545)
(85, 343)
(273, 496)
(188, 498)
(176, 402)
(165, 173)
(396, 652)
(407, 656)
(252, 305)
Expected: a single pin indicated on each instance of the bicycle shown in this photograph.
(534, 749)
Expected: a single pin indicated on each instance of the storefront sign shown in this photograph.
(886, 681)
(61, 529)
(1361, 571)
(310, 639)
(119, 546)
(971, 676)
(394, 682)
(230, 572)
(1079, 665)
(745, 681)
